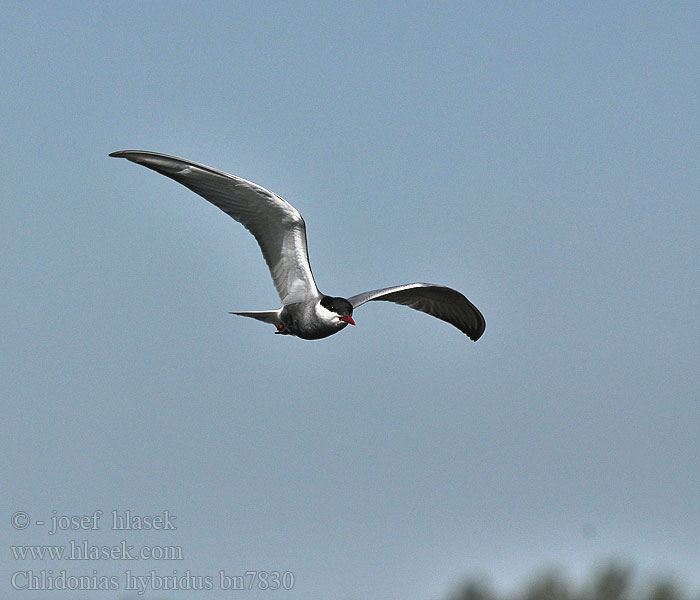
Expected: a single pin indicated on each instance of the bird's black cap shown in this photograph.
(340, 306)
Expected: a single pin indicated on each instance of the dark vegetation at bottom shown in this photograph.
(615, 581)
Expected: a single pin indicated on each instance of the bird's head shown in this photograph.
(338, 310)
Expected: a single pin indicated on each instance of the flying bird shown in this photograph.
(280, 232)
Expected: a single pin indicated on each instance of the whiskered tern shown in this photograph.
(281, 234)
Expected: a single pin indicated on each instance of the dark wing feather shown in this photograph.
(436, 300)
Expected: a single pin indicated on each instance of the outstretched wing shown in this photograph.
(277, 226)
(436, 300)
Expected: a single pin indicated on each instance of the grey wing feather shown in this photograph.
(436, 300)
(277, 226)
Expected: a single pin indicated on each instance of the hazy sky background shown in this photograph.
(544, 161)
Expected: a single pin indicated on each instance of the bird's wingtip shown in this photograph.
(476, 335)
(128, 153)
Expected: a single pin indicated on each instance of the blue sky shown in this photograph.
(541, 159)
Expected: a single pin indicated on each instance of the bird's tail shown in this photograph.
(267, 316)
